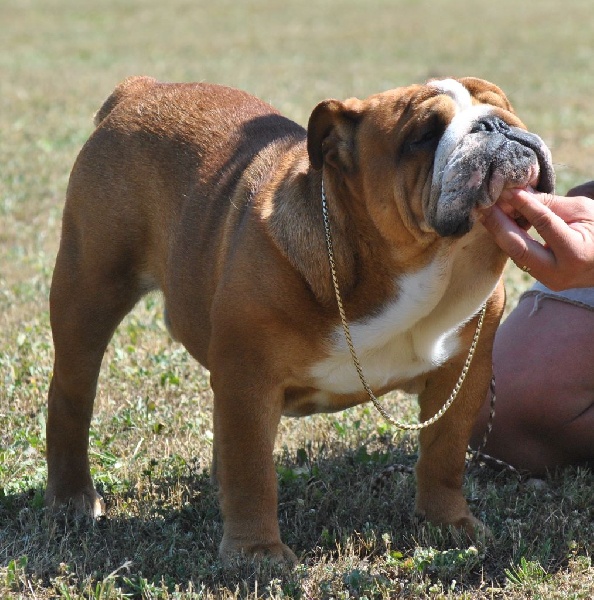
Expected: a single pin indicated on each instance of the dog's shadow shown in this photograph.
(168, 528)
(334, 502)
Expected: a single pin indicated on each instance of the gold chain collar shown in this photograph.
(349, 340)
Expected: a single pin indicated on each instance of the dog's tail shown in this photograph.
(129, 87)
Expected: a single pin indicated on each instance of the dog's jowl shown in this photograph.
(211, 196)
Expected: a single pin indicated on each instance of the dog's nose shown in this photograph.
(490, 124)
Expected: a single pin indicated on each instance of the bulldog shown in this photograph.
(211, 196)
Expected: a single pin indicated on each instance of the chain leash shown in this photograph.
(479, 454)
(479, 449)
(356, 362)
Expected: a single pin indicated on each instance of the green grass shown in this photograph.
(343, 509)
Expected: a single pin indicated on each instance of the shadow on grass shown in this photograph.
(337, 505)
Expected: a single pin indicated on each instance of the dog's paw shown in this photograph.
(456, 516)
(275, 553)
(476, 530)
(87, 503)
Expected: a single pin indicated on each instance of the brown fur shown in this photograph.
(213, 197)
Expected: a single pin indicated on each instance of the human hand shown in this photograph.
(566, 224)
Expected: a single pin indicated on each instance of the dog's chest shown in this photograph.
(413, 334)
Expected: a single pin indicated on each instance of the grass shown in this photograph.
(343, 507)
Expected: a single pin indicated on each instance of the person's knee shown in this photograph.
(544, 387)
(577, 434)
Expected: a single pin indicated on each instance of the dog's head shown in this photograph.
(435, 152)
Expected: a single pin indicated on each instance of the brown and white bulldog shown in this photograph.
(211, 196)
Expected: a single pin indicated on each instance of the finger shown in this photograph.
(508, 235)
(568, 209)
(540, 211)
(526, 252)
(513, 214)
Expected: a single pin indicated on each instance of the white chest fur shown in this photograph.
(415, 332)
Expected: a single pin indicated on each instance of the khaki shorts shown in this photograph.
(583, 297)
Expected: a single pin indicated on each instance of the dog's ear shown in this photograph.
(331, 134)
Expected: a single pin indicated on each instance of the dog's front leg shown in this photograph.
(441, 464)
(246, 417)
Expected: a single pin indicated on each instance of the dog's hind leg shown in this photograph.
(91, 292)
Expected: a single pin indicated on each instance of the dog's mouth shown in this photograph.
(473, 169)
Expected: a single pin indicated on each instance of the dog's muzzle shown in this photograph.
(489, 156)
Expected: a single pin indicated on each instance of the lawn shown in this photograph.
(346, 497)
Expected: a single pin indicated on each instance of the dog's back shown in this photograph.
(196, 118)
(129, 87)
(145, 128)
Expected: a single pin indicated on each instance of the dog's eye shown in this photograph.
(426, 140)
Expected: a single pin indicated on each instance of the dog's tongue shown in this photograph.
(496, 186)
(499, 182)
